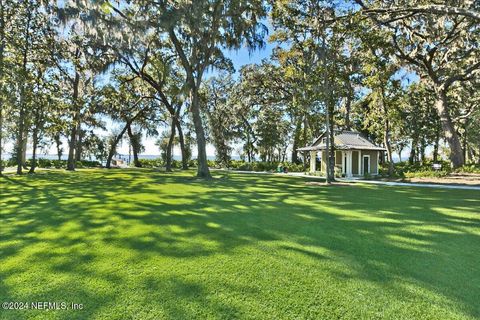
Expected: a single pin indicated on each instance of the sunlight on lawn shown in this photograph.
(150, 245)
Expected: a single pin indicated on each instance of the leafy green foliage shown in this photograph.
(48, 163)
(264, 166)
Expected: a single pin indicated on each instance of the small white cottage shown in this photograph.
(355, 155)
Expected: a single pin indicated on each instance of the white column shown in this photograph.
(360, 163)
(349, 164)
(313, 161)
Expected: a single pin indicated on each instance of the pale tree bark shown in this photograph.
(348, 108)
(451, 135)
(193, 81)
(34, 150)
(413, 150)
(331, 152)
(113, 146)
(386, 132)
(202, 170)
(436, 144)
(21, 139)
(168, 164)
(79, 144)
(158, 86)
(348, 101)
(119, 137)
(136, 161)
(296, 136)
(24, 147)
(76, 123)
(58, 144)
(183, 147)
(400, 150)
(2, 50)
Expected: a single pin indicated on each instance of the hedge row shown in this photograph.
(233, 165)
(264, 166)
(425, 169)
(155, 163)
(470, 168)
(48, 163)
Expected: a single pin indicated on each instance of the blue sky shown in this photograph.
(242, 57)
(239, 58)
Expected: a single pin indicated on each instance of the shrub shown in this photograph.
(317, 173)
(426, 174)
(469, 168)
(58, 163)
(193, 163)
(49, 163)
(425, 169)
(151, 163)
(89, 163)
(44, 163)
(264, 166)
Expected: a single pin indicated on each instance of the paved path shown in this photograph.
(411, 184)
(377, 182)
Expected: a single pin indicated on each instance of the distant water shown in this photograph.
(122, 156)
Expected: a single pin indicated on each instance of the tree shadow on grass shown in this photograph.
(428, 237)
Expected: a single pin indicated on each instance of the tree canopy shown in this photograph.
(81, 77)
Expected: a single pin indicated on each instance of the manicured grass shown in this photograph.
(139, 244)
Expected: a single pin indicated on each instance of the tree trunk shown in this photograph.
(113, 147)
(71, 149)
(423, 146)
(21, 137)
(348, 108)
(58, 143)
(24, 148)
(168, 164)
(136, 161)
(386, 134)
(464, 142)
(2, 47)
(78, 147)
(75, 125)
(411, 158)
(21, 119)
(436, 144)
(451, 136)
(1, 126)
(182, 144)
(202, 170)
(332, 148)
(296, 137)
(21, 123)
(249, 156)
(34, 151)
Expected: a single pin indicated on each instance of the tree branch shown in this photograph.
(430, 8)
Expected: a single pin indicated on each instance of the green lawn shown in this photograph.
(139, 244)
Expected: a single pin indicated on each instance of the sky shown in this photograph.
(239, 58)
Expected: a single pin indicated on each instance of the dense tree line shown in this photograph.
(407, 75)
